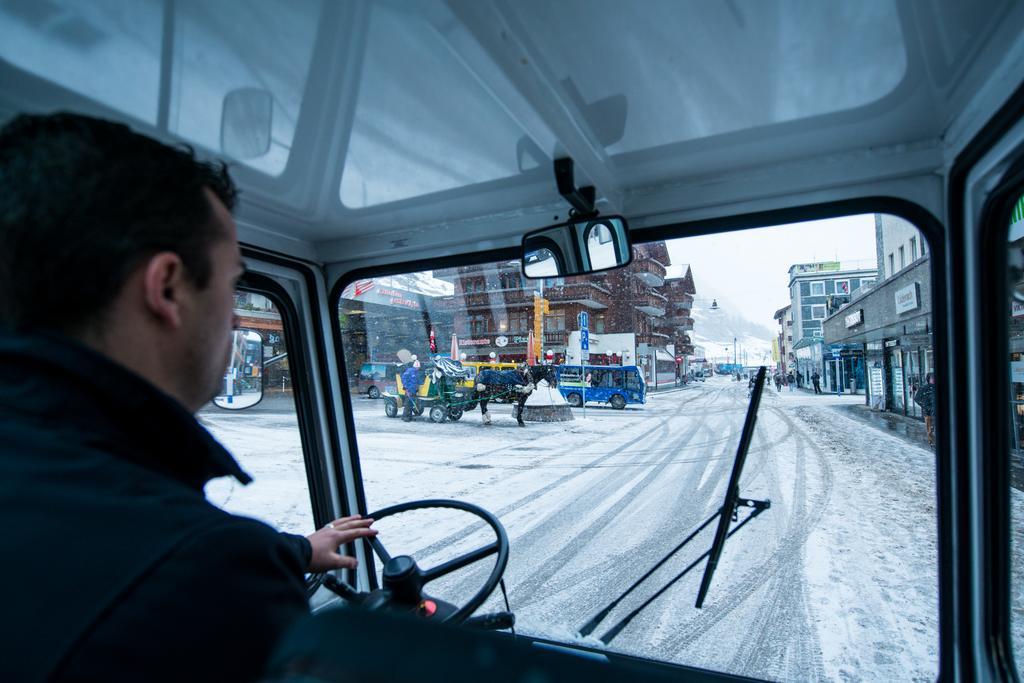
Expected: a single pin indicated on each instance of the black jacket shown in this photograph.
(925, 397)
(113, 566)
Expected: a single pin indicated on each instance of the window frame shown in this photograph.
(987, 642)
(817, 282)
(996, 539)
(921, 217)
(824, 312)
(313, 455)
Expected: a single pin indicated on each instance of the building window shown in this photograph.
(518, 322)
(913, 249)
(598, 323)
(478, 326)
(817, 289)
(818, 312)
(903, 260)
(554, 321)
(842, 287)
(892, 265)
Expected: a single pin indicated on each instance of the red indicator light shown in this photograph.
(428, 608)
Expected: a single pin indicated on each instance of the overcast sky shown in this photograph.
(748, 270)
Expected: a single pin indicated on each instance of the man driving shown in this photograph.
(118, 270)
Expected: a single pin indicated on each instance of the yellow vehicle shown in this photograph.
(445, 393)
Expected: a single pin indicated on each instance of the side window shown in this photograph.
(1015, 305)
(599, 483)
(264, 438)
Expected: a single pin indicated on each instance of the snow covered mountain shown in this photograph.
(715, 331)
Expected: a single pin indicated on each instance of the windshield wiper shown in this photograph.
(729, 512)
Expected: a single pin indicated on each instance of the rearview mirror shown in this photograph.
(577, 247)
(243, 379)
(246, 122)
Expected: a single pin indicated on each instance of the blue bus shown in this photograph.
(617, 385)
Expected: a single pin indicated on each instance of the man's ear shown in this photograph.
(164, 282)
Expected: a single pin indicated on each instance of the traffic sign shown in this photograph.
(584, 320)
(836, 353)
(584, 339)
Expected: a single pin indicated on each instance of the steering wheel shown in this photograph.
(403, 580)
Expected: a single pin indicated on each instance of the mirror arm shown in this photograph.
(581, 198)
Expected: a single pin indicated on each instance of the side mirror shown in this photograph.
(246, 122)
(243, 379)
(577, 247)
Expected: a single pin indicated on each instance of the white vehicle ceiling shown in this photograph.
(398, 125)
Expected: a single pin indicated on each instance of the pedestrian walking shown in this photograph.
(411, 381)
(925, 397)
(778, 382)
(790, 380)
(816, 380)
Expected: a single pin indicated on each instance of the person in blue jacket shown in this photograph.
(411, 381)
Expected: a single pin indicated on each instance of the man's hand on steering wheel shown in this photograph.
(325, 543)
(403, 581)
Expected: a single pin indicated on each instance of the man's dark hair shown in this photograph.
(83, 202)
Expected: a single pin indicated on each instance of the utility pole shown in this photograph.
(735, 359)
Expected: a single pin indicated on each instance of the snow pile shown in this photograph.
(545, 395)
(546, 404)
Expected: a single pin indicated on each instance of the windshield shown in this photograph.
(621, 452)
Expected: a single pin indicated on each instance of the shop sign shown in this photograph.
(855, 318)
(874, 346)
(520, 340)
(907, 298)
(889, 343)
(816, 267)
(501, 341)
(877, 388)
(475, 342)
(370, 291)
(1016, 308)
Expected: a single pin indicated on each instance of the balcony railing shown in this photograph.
(648, 271)
(495, 298)
(648, 303)
(587, 293)
(557, 338)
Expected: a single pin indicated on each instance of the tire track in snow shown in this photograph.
(560, 522)
(526, 500)
(788, 554)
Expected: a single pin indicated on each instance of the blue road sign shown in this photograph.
(584, 320)
(584, 339)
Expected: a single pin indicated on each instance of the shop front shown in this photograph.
(845, 368)
(890, 326)
(809, 359)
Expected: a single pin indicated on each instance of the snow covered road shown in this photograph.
(837, 580)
